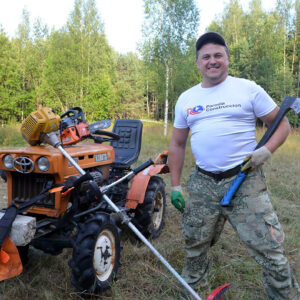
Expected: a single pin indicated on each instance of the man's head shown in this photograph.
(210, 37)
(212, 58)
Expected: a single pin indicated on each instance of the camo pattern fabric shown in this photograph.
(251, 215)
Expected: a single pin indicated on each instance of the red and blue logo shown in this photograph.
(195, 110)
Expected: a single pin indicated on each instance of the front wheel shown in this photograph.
(23, 252)
(96, 254)
(149, 216)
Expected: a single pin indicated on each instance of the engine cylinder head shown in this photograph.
(45, 120)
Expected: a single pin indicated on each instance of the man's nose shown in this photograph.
(212, 60)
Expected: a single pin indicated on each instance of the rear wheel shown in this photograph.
(149, 216)
(96, 254)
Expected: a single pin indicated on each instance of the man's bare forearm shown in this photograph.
(177, 154)
(279, 136)
(176, 160)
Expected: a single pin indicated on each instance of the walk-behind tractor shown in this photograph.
(66, 192)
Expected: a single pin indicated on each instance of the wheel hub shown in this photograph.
(104, 255)
(158, 210)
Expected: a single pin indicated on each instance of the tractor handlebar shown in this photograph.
(143, 166)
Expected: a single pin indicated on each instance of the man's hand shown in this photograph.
(177, 198)
(258, 157)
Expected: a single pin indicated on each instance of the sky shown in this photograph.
(122, 18)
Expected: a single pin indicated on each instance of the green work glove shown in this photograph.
(177, 198)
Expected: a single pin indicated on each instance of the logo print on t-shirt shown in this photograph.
(195, 110)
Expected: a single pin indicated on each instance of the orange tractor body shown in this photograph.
(61, 208)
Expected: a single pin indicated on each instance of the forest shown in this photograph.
(76, 66)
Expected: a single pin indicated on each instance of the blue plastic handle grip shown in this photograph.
(233, 188)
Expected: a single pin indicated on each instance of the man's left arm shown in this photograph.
(262, 154)
(280, 134)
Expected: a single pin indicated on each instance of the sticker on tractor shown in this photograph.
(101, 157)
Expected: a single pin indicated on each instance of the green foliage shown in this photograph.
(168, 29)
(185, 75)
(75, 66)
(101, 102)
(60, 70)
(263, 46)
(130, 86)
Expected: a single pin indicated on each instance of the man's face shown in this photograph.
(213, 63)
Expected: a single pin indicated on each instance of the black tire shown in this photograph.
(3, 175)
(23, 253)
(94, 271)
(149, 216)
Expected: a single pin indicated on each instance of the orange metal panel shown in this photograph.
(13, 267)
(136, 193)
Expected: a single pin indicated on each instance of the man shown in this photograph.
(221, 113)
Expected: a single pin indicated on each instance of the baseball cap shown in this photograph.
(210, 37)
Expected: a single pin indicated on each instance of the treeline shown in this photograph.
(75, 65)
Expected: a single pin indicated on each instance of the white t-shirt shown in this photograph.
(222, 121)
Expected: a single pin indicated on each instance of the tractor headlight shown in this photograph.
(8, 161)
(43, 164)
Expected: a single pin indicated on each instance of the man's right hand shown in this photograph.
(177, 198)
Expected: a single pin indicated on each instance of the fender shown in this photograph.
(10, 262)
(136, 193)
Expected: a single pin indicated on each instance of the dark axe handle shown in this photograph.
(284, 108)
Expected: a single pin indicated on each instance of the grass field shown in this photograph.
(142, 276)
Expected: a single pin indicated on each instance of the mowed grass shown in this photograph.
(143, 276)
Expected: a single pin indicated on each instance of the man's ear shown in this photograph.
(197, 63)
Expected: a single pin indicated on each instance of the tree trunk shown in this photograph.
(81, 64)
(24, 89)
(155, 112)
(298, 85)
(147, 97)
(88, 63)
(166, 99)
(294, 51)
(284, 59)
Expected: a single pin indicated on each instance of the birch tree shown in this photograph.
(168, 27)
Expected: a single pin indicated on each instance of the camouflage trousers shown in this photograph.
(252, 217)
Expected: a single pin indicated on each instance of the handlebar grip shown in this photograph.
(238, 180)
(143, 166)
(82, 178)
(87, 176)
(97, 139)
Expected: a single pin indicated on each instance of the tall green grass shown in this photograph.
(11, 136)
(143, 277)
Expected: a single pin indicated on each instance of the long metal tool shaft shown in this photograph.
(70, 159)
(164, 261)
(131, 226)
(155, 252)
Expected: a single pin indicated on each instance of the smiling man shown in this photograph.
(221, 113)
